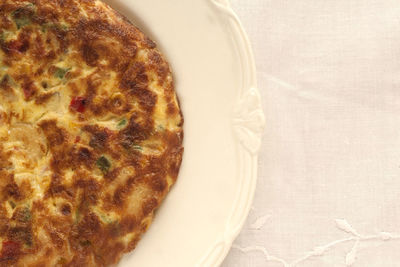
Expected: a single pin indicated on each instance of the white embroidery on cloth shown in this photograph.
(341, 224)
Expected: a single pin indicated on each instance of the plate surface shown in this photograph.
(215, 81)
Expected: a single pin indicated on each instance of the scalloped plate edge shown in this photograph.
(247, 123)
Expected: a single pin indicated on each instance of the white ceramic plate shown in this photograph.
(215, 81)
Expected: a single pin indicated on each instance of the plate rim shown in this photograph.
(247, 123)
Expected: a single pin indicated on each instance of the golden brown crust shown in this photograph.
(90, 133)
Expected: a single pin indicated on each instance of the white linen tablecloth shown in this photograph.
(329, 170)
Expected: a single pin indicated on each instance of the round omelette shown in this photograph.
(90, 133)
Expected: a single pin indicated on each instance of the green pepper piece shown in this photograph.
(122, 123)
(136, 147)
(26, 214)
(104, 164)
(22, 16)
(61, 72)
(22, 21)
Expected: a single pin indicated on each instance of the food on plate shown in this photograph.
(90, 133)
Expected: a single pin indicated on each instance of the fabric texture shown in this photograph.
(329, 170)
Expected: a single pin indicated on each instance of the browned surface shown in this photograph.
(63, 227)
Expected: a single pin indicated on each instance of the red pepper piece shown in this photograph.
(18, 45)
(78, 104)
(10, 249)
(29, 89)
(28, 92)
